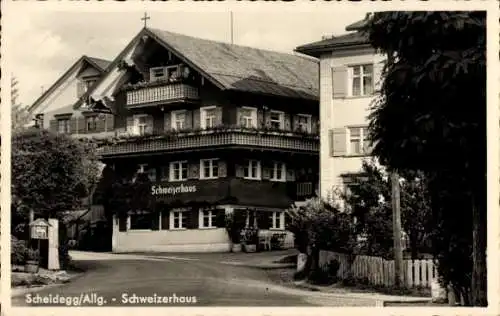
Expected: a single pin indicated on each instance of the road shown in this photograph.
(208, 280)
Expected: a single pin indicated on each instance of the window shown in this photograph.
(304, 122)
(140, 221)
(89, 83)
(276, 119)
(248, 117)
(252, 170)
(158, 73)
(362, 80)
(178, 170)
(178, 119)
(278, 172)
(208, 116)
(91, 123)
(277, 220)
(208, 219)
(209, 168)
(178, 220)
(358, 142)
(141, 124)
(63, 126)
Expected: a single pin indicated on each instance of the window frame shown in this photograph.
(182, 165)
(138, 125)
(308, 117)
(252, 118)
(281, 120)
(91, 119)
(203, 117)
(212, 162)
(363, 132)
(249, 167)
(66, 126)
(174, 119)
(182, 219)
(275, 169)
(277, 217)
(212, 219)
(361, 77)
(140, 213)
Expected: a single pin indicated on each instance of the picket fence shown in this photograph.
(378, 271)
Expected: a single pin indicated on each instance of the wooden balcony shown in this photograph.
(161, 94)
(212, 139)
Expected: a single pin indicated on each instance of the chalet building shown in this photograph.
(217, 128)
(350, 73)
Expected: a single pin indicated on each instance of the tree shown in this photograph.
(369, 200)
(50, 174)
(431, 117)
(20, 115)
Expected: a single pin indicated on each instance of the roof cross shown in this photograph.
(145, 19)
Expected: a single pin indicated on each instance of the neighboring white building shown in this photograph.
(350, 73)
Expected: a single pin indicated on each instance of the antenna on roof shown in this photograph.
(232, 38)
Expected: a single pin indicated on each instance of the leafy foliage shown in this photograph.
(369, 200)
(431, 116)
(50, 174)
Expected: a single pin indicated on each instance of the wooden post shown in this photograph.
(396, 226)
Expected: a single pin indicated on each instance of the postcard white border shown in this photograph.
(10, 9)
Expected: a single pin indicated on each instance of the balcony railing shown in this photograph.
(207, 139)
(167, 92)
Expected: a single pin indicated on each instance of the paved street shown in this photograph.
(213, 281)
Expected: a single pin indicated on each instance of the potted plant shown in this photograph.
(32, 263)
(250, 238)
(234, 225)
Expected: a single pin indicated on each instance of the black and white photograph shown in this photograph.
(252, 158)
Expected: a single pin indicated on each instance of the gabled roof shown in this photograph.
(345, 41)
(98, 63)
(241, 68)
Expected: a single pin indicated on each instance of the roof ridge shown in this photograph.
(235, 45)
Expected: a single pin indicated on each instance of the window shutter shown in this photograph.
(196, 119)
(165, 219)
(260, 118)
(80, 89)
(188, 124)
(377, 75)
(192, 219)
(295, 123)
(149, 124)
(100, 125)
(220, 218)
(155, 221)
(288, 122)
(240, 173)
(53, 125)
(72, 126)
(338, 142)
(194, 170)
(339, 78)
(239, 121)
(131, 125)
(266, 173)
(218, 116)
(290, 175)
(82, 125)
(267, 119)
(110, 122)
(314, 125)
(264, 219)
(222, 168)
(122, 223)
(167, 117)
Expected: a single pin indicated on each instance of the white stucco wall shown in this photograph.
(337, 113)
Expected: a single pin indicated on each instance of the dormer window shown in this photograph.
(84, 85)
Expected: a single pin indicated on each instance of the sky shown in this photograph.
(48, 42)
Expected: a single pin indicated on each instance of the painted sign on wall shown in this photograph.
(173, 189)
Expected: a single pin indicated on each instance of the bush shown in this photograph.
(325, 276)
(64, 257)
(18, 251)
(278, 241)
